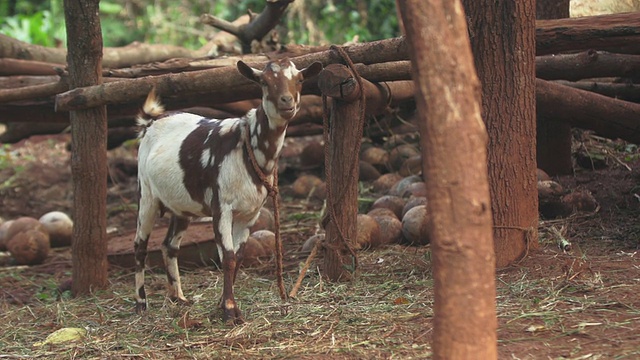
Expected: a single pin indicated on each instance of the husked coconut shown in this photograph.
(305, 184)
(400, 187)
(267, 239)
(399, 154)
(415, 226)
(391, 202)
(390, 229)
(411, 166)
(312, 155)
(375, 156)
(381, 212)
(253, 252)
(311, 242)
(368, 172)
(386, 182)
(59, 226)
(413, 202)
(29, 247)
(3, 234)
(265, 221)
(367, 232)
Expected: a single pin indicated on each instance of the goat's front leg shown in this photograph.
(170, 248)
(222, 228)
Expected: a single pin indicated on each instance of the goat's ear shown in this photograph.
(311, 70)
(249, 72)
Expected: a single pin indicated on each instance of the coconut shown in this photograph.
(22, 224)
(375, 156)
(580, 200)
(390, 229)
(29, 247)
(396, 140)
(253, 251)
(265, 221)
(59, 226)
(391, 202)
(411, 166)
(542, 175)
(3, 234)
(399, 154)
(367, 232)
(399, 188)
(304, 184)
(386, 182)
(312, 155)
(413, 202)
(368, 172)
(549, 189)
(415, 226)
(267, 239)
(311, 242)
(382, 212)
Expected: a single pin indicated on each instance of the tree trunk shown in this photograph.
(89, 157)
(342, 175)
(503, 43)
(553, 145)
(453, 141)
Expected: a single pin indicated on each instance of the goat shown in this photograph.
(194, 166)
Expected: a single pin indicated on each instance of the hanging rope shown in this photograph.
(272, 190)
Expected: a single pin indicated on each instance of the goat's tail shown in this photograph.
(151, 109)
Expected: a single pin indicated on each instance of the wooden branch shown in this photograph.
(257, 29)
(608, 117)
(587, 64)
(10, 66)
(603, 32)
(131, 54)
(620, 91)
(13, 82)
(222, 84)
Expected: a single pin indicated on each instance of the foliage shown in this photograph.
(177, 22)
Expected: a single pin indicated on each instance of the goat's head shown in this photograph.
(281, 84)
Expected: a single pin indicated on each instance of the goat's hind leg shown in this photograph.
(147, 211)
(170, 248)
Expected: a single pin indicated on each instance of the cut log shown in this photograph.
(606, 116)
(10, 66)
(587, 64)
(615, 33)
(226, 84)
(620, 91)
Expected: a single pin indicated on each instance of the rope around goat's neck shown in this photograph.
(272, 190)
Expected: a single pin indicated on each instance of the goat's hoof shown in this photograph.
(232, 317)
(141, 307)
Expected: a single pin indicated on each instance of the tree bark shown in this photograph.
(504, 57)
(453, 141)
(615, 33)
(553, 145)
(89, 156)
(342, 175)
(608, 117)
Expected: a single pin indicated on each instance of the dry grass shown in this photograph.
(382, 315)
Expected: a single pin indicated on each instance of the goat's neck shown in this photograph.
(265, 140)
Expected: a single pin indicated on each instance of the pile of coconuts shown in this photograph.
(393, 173)
(28, 240)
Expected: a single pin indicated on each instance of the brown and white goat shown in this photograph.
(193, 166)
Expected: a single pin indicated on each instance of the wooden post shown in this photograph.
(89, 156)
(454, 159)
(342, 163)
(553, 145)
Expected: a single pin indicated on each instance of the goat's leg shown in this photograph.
(240, 236)
(222, 228)
(147, 210)
(170, 248)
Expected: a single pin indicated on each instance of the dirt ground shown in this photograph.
(555, 304)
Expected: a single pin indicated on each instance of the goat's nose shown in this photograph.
(286, 99)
